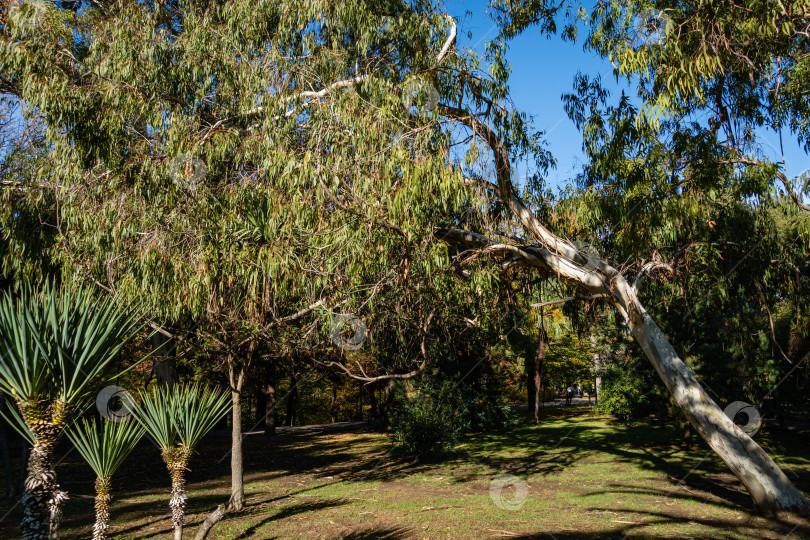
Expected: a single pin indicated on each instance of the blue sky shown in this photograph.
(544, 69)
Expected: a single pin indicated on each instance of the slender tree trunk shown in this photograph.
(360, 402)
(597, 371)
(372, 396)
(164, 364)
(237, 500)
(530, 366)
(102, 505)
(332, 408)
(388, 399)
(780, 410)
(236, 503)
(292, 401)
(270, 406)
(539, 364)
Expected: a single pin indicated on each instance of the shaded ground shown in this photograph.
(584, 478)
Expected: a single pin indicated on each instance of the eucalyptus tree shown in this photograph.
(104, 450)
(54, 342)
(177, 419)
(656, 170)
(211, 164)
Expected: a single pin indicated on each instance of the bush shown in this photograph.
(483, 412)
(428, 424)
(628, 393)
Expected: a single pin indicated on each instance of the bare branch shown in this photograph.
(389, 376)
(650, 267)
(568, 299)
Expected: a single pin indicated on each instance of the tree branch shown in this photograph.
(389, 376)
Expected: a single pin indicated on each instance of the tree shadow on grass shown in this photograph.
(562, 440)
(381, 533)
(291, 510)
(640, 529)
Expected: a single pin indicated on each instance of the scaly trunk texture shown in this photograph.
(176, 460)
(103, 498)
(42, 499)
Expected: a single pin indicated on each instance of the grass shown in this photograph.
(585, 477)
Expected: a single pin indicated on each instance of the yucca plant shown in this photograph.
(177, 419)
(104, 450)
(53, 344)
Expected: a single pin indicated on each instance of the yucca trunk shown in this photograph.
(42, 499)
(103, 498)
(176, 460)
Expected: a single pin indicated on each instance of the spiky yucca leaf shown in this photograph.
(156, 413)
(12, 416)
(53, 343)
(181, 415)
(200, 409)
(106, 448)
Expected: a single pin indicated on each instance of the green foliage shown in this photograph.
(631, 391)
(181, 416)
(748, 61)
(25, 209)
(106, 448)
(54, 342)
(428, 423)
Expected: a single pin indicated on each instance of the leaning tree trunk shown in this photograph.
(42, 500)
(765, 481)
(176, 460)
(103, 498)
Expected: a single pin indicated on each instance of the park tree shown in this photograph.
(661, 161)
(104, 448)
(55, 343)
(177, 419)
(257, 156)
(256, 183)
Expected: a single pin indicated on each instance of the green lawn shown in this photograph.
(584, 476)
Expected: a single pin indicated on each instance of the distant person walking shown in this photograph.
(569, 392)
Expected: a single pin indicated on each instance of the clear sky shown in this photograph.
(544, 69)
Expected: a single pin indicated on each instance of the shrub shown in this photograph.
(428, 423)
(484, 412)
(628, 393)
